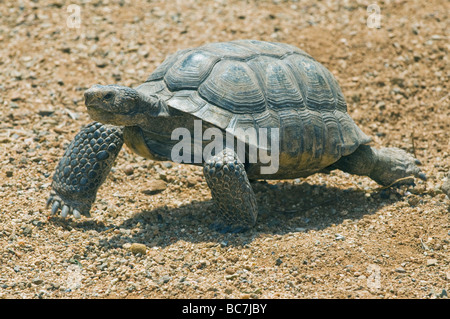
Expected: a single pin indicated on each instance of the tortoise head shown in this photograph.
(111, 104)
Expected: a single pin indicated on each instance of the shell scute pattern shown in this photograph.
(234, 87)
(247, 76)
(241, 84)
(161, 70)
(282, 88)
(190, 71)
(229, 50)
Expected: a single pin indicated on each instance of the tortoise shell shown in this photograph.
(254, 84)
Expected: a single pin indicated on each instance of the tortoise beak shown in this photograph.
(91, 96)
(88, 98)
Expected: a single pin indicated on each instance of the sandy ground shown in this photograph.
(326, 236)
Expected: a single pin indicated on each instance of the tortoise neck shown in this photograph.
(152, 105)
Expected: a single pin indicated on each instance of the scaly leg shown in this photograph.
(83, 168)
(385, 166)
(231, 191)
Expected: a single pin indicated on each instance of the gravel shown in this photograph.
(325, 236)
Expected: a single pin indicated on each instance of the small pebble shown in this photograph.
(230, 270)
(192, 181)
(431, 262)
(27, 230)
(137, 248)
(413, 200)
(155, 186)
(167, 164)
(164, 279)
(37, 281)
(231, 277)
(45, 112)
(128, 170)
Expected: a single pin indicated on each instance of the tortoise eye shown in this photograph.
(108, 96)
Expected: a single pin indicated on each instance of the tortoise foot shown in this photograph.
(395, 166)
(68, 206)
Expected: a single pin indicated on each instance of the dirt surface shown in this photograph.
(325, 236)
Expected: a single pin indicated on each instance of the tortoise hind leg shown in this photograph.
(385, 165)
(231, 191)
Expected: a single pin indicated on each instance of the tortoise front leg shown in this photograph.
(231, 191)
(83, 168)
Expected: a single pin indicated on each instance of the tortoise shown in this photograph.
(273, 90)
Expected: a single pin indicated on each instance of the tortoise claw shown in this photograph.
(65, 211)
(55, 207)
(76, 214)
(49, 201)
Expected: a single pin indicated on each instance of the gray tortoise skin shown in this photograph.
(230, 86)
